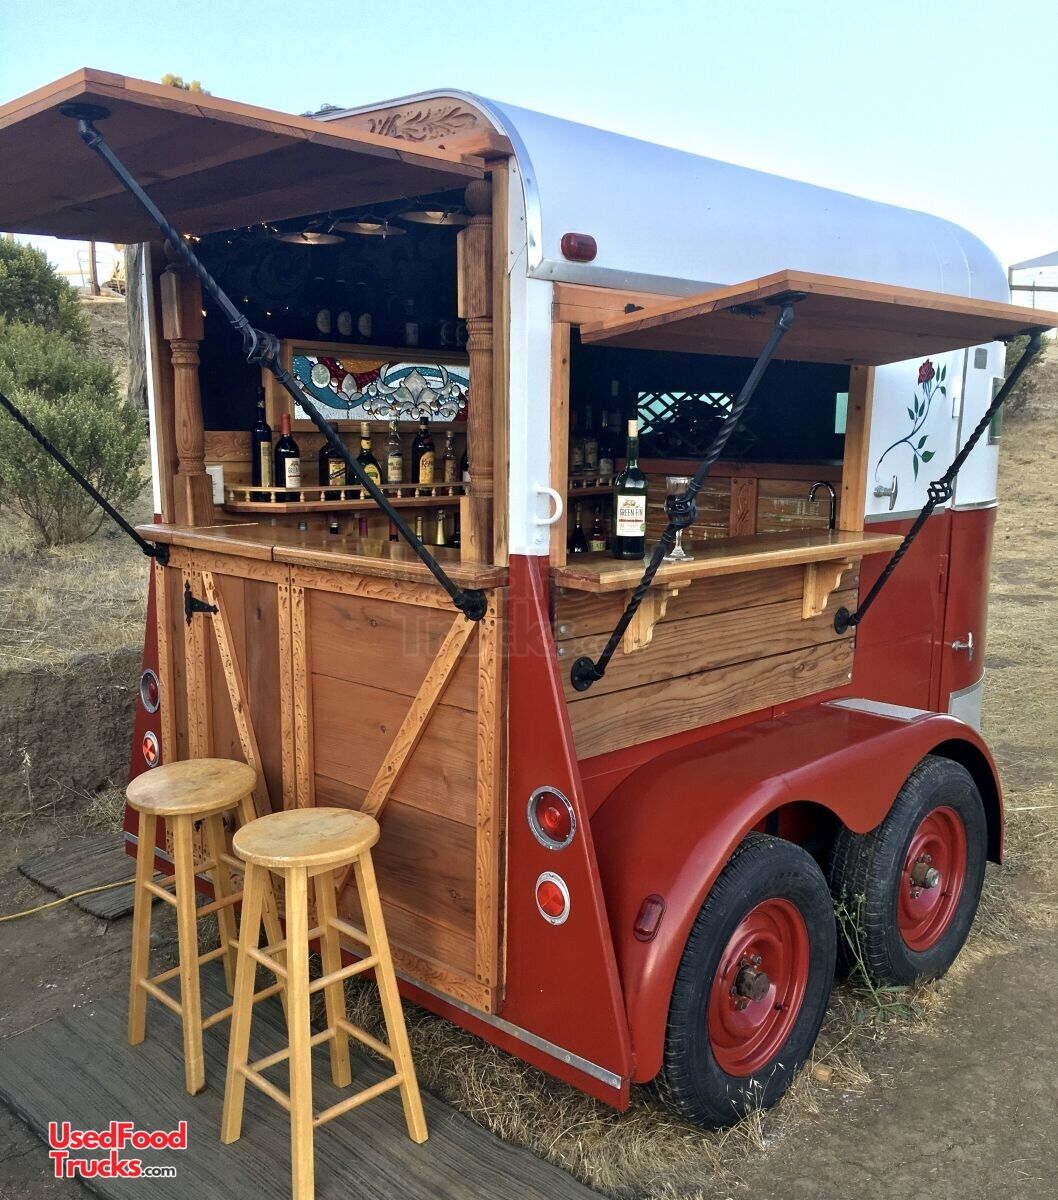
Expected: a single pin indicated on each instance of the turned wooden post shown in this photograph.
(182, 327)
(476, 295)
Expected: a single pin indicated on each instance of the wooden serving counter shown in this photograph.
(725, 556)
(316, 548)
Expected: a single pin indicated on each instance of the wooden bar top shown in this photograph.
(723, 556)
(315, 548)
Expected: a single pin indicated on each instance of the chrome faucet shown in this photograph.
(822, 483)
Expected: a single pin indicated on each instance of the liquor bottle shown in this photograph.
(589, 445)
(394, 533)
(464, 468)
(332, 467)
(630, 503)
(449, 465)
(576, 448)
(394, 456)
(419, 530)
(456, 540)
(606, 448)
(578, 543)
(368, 462)
(422, 455)
(597, 537)
(441, 533)
(287, 458)
(261, 473)
(333, 524)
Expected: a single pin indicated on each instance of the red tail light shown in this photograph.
(552, 898)
(649, 917)
(150, 691)
(578, 247)
(551, 818)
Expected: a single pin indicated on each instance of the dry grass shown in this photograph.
(60, 602)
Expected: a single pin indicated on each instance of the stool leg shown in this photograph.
(141, 928)
(222, 889)
(273, 925)
(386, 978)
(299, 1032)
(334, 994)
(254, 884)
(187, 943)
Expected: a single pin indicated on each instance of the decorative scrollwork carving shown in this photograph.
(424, 124)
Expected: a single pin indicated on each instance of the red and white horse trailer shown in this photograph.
(616, 812)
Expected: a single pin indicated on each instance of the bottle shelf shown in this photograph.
(590, 485)
(249, 499)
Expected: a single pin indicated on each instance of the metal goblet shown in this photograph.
(675, 485)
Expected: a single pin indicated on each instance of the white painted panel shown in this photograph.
(976, 484)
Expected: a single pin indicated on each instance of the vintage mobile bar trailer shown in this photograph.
(628, 877)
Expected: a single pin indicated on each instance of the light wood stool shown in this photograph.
(299, 845)
(182, 794)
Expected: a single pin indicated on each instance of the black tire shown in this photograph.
(692, 1080)
(867, 878)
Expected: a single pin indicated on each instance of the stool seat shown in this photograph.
(195, 787)
(306, 837)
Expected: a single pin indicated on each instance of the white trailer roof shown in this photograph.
(669, 221)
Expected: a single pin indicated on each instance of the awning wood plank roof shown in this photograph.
(836, 321)
(208, 163)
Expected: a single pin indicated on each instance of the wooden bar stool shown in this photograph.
(184, 793)
(299, 845)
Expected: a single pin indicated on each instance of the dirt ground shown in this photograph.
(949, 1091)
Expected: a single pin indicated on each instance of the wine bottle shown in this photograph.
(576, 448)
(456, 540)
(422, 455)
(368, 462)
(606, 448)
(394, 456)
(332, 467)
(589, 445)
(287, 458)
(578, 543)
(597, 537)
(448, 463)
(464, 468)
(261, 473)
(394, 532)
(630, 503)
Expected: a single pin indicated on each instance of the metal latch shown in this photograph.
(193, 605)
(968, 645)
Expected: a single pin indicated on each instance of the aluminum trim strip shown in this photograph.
(877, 708)
(522, 1035)
(975, 505)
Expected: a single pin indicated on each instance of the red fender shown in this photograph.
(670, 826)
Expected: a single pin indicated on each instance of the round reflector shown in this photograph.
(152, 752)
(551, 818)
(150, 691)
(552, 898)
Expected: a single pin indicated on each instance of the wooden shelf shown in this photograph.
(244, 499)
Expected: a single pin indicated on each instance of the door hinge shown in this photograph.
(193, 605)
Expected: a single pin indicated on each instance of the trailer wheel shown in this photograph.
(911, 886)
(752, 985)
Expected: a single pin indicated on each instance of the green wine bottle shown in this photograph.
(630, 503)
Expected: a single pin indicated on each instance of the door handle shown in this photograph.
(881, 490)
(968, 646)
(559, 508)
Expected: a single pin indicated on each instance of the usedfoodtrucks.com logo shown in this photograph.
(121, 1140)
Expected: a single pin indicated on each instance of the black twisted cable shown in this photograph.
(941, 490)
(682, 510)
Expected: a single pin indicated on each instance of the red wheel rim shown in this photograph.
(924, 912)
(748, 1034)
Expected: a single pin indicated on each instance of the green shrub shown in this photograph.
(31, 291)
(72, 397)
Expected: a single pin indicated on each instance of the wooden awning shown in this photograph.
(836, 321)
(208, 163)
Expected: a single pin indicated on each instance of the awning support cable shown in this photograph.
(160, 552)
(941, 490)
(682, 510)
(263, 348)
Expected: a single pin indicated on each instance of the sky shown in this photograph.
(948, 106)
